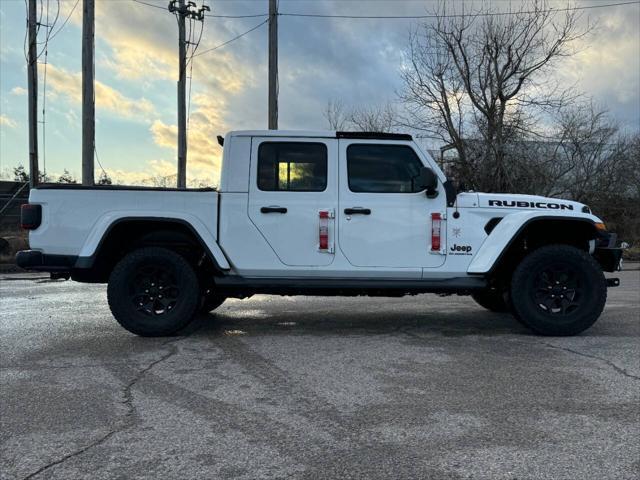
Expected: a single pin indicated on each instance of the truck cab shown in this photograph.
(322, 213)
(281, 189)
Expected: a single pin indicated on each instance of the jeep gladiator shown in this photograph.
(322, 213)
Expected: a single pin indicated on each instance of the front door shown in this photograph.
(291, 182)
(384, 215)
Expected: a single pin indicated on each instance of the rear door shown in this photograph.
(292, 181)
(384, 215)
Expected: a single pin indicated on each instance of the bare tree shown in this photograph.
(486, 77)
(377, 118)
(104, 179)
(335, 114)
(21, 175)
(66, 177)
(162, 181)
(589, 157)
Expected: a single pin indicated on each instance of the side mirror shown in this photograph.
(429, 181)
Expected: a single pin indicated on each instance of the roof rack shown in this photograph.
(375, 135)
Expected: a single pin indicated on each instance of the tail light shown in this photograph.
(436, 225)
(323, 231)
(325, 244)
(30, 216)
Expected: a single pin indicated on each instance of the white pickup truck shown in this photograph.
(322, 213)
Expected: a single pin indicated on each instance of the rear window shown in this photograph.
(383, 168)
(292, 166)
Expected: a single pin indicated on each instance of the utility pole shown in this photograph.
(182, 97)
(183, 10)
(88, 94)
(32, 86)
(273, 65)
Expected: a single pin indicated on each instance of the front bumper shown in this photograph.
(610, 259)
(40, 262)
(608, 255)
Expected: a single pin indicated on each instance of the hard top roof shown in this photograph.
(321, 134)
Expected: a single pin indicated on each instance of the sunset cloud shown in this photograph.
(358, 61)
(150, 55)
(69, 85)
(204, 155)
(5, 121)
(609, 66)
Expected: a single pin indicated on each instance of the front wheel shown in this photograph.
(558, 290)
(153, 292)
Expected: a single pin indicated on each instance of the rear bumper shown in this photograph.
(40, 262)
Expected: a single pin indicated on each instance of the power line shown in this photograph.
(98, 159)
(44, 92)
(53, 35)
(206, 15)
(239, 16)
(410, 17)
(485, 14)
(232, 40)
(189, 63)
(26, 33)
(45, 51)
(150, 5)
(414, 17)
(44, 112)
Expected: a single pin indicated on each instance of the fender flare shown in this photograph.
(103, 226)
(508, 230)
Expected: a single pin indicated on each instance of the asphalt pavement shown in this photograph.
(313, 387)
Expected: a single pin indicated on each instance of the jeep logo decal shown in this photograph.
(524, 204)
(460, 249)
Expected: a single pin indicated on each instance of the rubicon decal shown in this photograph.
(460, 249)
(525, 204)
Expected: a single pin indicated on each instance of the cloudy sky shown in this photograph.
(320, 59)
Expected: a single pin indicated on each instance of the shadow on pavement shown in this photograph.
(334, 321)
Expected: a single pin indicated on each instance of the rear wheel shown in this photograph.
(153, 292)
(558, 290)
(493, 300)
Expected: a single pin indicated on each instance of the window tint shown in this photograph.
(383, 168)
(292, 166)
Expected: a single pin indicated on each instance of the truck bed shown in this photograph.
(75, 217)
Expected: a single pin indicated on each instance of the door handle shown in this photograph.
(273, 210)
(357, 211)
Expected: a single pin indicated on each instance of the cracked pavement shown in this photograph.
(284, 387)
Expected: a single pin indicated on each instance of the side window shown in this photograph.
(383, 168)
(292, 166)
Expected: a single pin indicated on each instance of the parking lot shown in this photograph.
(284, 387)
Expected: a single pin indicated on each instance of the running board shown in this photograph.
(343, 286)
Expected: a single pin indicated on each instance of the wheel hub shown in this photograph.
(154, 290)
(558, 290)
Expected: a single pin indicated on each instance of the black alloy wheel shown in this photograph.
(153, 292)
(558, 290)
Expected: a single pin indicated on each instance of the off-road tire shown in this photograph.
(172, 301)
(558, 290)
(492, 300)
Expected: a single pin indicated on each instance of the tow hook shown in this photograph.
(613, 282)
